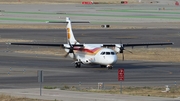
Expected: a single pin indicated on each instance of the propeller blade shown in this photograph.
(122, 50)
(74, 56)
(66, 54)
(70, 44)
(129, 51)
(71, 50)
(123, 56)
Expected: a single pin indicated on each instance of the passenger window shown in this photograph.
(108, 53)
(112, 53)
(102, 53)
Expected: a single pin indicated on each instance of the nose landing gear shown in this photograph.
(109, 66)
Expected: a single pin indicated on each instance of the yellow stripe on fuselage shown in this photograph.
(68, 33)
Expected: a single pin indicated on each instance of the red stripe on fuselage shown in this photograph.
(88, 51)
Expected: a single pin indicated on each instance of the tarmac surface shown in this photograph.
(19, 71)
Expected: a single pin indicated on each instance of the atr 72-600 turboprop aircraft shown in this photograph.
(98, 54)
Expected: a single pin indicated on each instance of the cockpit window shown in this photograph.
(102, 53)
(112, 53)
(108, 53)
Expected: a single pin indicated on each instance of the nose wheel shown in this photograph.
(109, 67)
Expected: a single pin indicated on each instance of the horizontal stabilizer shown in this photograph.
(67, 22)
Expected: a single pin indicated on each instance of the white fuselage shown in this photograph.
(95, 55)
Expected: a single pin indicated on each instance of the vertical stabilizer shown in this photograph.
(70, 35)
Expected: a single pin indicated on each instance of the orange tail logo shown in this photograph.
(68, 33)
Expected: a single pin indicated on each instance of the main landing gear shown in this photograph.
(109, 66)
(103, 66)
(77, 65)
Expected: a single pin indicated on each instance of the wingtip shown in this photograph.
(8, 43)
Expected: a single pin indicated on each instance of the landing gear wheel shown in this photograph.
(77, 65)
(109, 67)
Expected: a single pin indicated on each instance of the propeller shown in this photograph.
(121, 50)
(71, 50)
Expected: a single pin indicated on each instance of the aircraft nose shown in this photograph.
(112, 60)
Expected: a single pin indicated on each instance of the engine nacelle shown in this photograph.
(117, 48)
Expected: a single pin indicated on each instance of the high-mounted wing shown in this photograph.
(37, 44)
(140, 44)
(146, 44)
(100, 45)
(51, 45)
(120, 47)
(117, 47)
